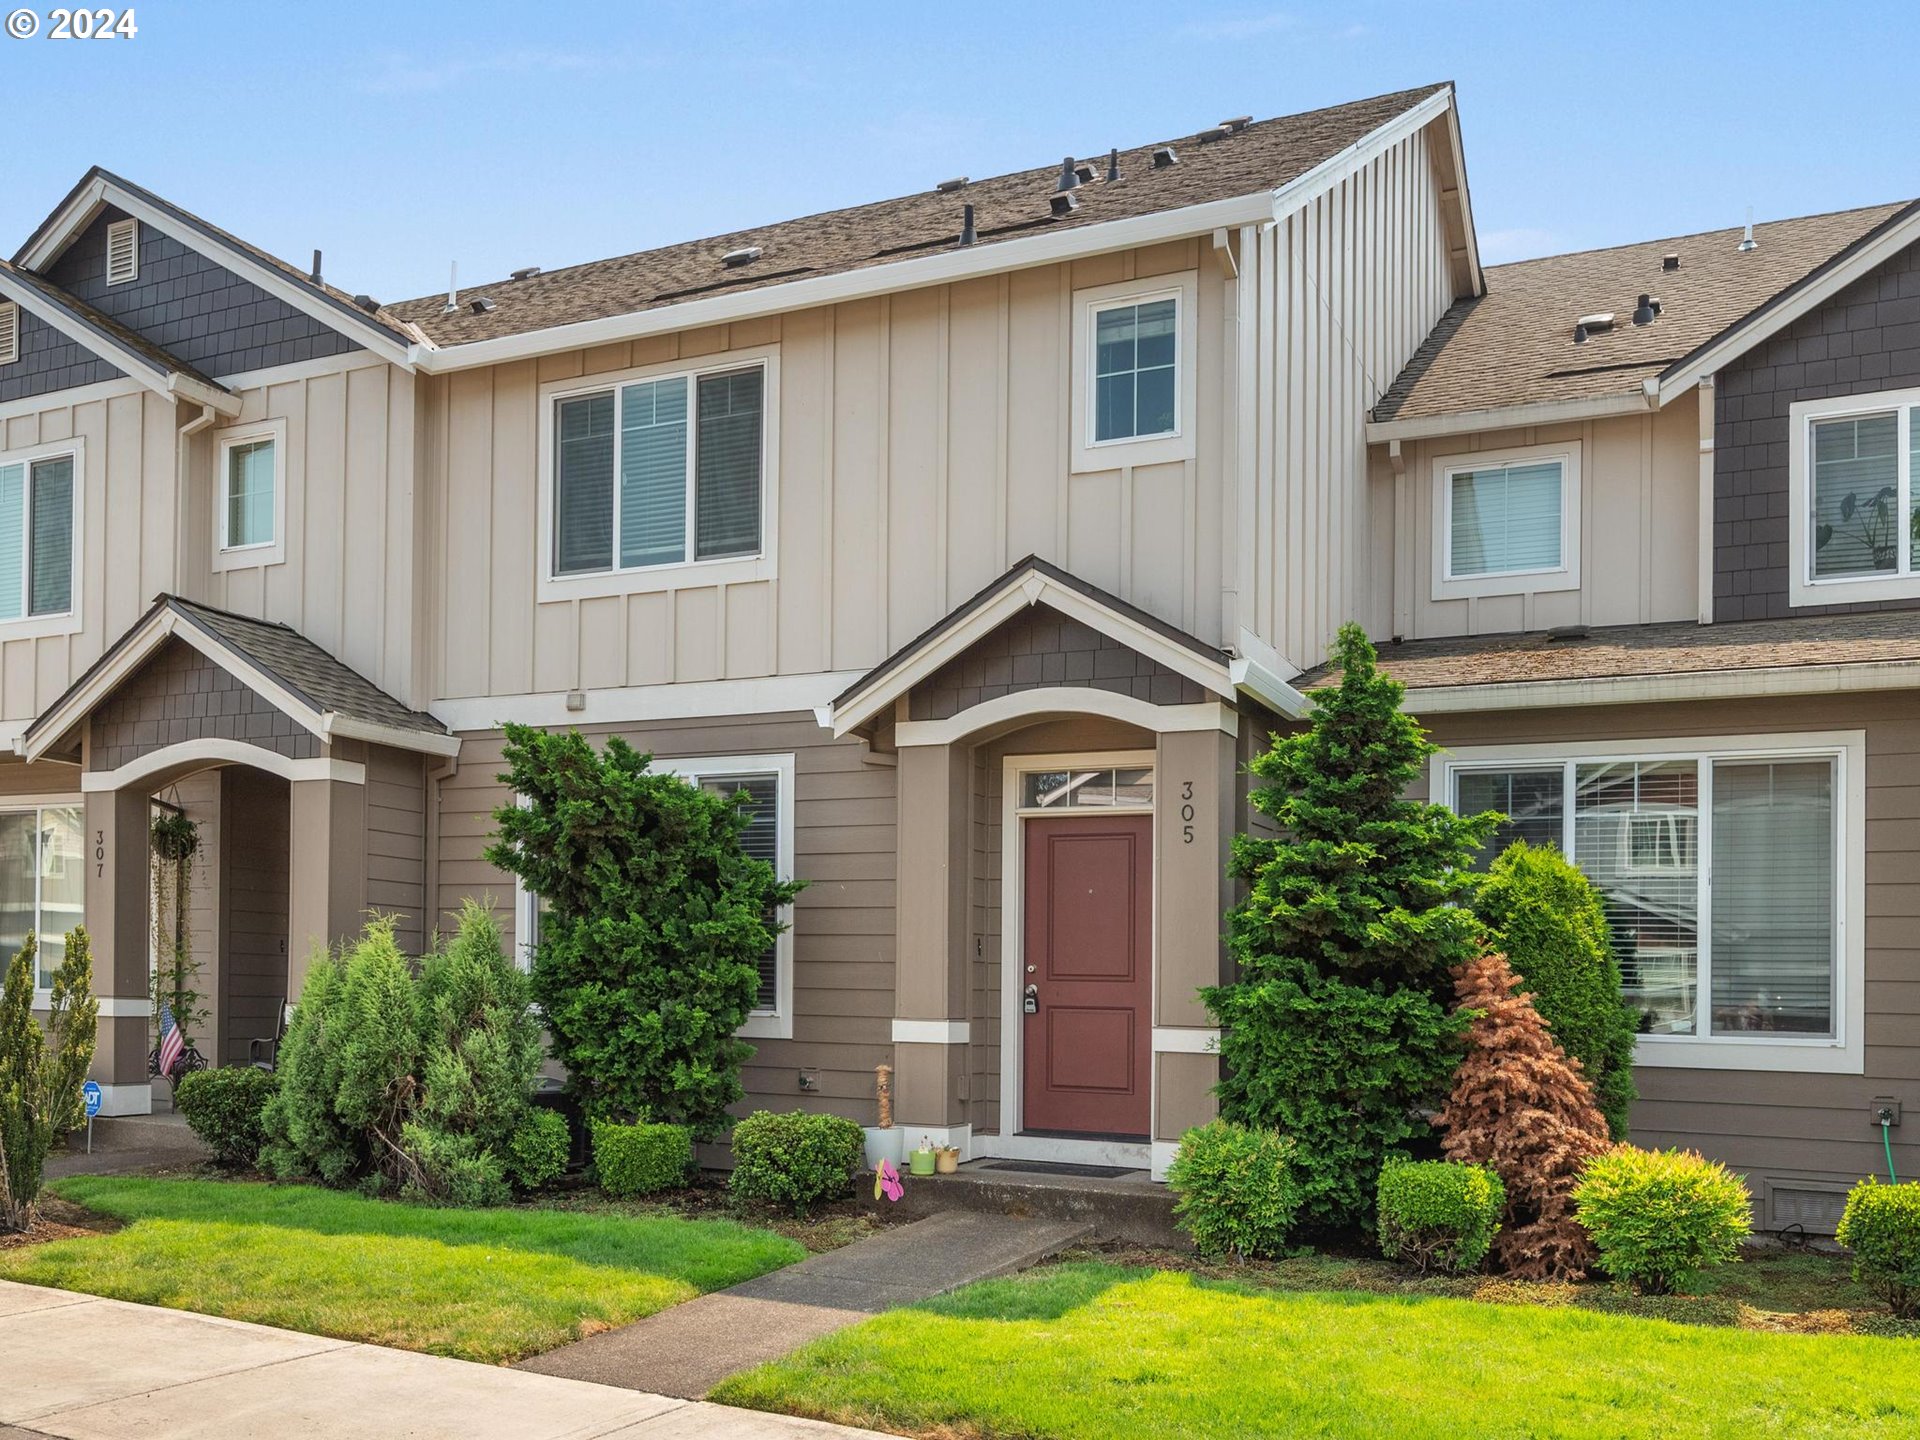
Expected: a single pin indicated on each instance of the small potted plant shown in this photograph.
(946, 1159)
(921, 1161)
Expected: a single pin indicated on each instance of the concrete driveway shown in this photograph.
(90, 1369)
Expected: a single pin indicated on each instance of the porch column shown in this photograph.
(1194, 809)
(116, 907)
(326, 869)
(930, 970)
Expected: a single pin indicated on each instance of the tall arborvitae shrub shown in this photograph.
(654, 925)
(1547, 918)
(1335, 1031)
(304, 1135)
(25, 1131)
(1520, 1108)
(73, 1025)
(380, 1049)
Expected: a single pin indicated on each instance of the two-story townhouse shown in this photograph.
(980, 536)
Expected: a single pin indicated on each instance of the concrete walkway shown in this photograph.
(128, 1144)
(83, 1368)
(690, 1348)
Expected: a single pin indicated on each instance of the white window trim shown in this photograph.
(266, 552)
(649, 578)
(1565, 576)
(1845, 1052)
(775, 1024)
(129, 226)
(9, 332)
(68, 621)
(33, 805)
(1802, 588)
(1090, 454)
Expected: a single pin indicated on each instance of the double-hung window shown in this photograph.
(658, 471)
(39, 525)
(1852, 489)
(1506, 523)
(249, 502)
(42, 882)
(1724, 868)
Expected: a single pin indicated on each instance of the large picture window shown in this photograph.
(42, 882)
(1852, 491)
(39, 508)
(660, 471)
(1722, 873)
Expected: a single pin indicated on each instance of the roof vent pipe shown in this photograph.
(1644, 312)
(967, 235)
(316, 267)
(1068, 176)
(1065, 204)
(452, 307)
(1747, 242)
(1579, 334)
(1113, 163)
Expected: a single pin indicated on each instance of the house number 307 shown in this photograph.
(99, 852)
(1186, 812)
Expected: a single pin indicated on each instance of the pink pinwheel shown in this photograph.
(886, 1181)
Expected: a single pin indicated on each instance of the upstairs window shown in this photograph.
(1851, 488)
(1134, 380)
(661, 471)
(9, 334)
(38, 496)
(250, 496)
(123, 251)
(1506, 522)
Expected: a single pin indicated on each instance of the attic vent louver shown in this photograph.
(947, 187)
(525, 272)
(1236, 124)
(366, 303)
(1601, 321)
(480, 305)
(1083, 172)
(9, 334)
(123, 251)
(1065, 204)
(1163, 156)
(1670, 262)
(745, 255)
(1219, 132)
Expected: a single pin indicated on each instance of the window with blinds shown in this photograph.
(1718, 872)
(760, 840)
(250, 470)
(1506, 520)
(36, 537)
(659, 472)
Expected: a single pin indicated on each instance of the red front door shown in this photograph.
(1088, 966)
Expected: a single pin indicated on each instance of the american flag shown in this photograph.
(172, 1042)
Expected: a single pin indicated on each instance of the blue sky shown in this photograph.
(398, 136)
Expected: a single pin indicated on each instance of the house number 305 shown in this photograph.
(1186, 812)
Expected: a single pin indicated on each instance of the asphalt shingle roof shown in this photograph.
(1262, 156)
(1514, 344)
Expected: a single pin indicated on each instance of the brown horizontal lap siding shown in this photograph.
(1775, 1127)
(1866, 338)
(181, 695)
(397, 843)
(843, 925)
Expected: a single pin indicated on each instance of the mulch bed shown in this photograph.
(55, 1219)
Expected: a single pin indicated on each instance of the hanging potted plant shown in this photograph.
(172, 843)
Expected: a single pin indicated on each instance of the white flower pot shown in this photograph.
(888, 1145)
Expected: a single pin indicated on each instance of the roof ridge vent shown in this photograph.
(947, 187)
(1163, 156)
(745, 255)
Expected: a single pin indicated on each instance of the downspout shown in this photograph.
(182, 476)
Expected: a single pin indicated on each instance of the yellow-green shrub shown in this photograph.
(641, 1159)
(1238, 1193)
(1439, 1214)
(1882, 1228)
(1658, 1217)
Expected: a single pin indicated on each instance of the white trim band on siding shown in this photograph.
(130, 1007)
(1181, 1040)
(687, 700)
(1758, 683)
(931, 1032)
(215, 751)
(1068, 700)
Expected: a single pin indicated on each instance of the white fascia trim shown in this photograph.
(1178, 1040)
(1296, 193)
(1068, 700)
(931, 1032)
(1737, 342)
(335, 726)
(113, 1007)
(303, 370)
(1268, 688)
(1654, 689)
(136, 365)
(80, 395)
(269, 278)
(1510, 417)
(214, 750)
(1033, 588)
(634, 704)
(212, 397)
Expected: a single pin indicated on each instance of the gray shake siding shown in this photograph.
(191, 307)
(49, 361)
(1866, 338)
(181, 695)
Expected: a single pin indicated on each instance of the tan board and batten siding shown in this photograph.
(1786, 1131)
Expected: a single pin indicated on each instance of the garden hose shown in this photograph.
(1886, 1139)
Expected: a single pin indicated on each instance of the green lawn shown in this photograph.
(1107, 1351)
(488, 1285)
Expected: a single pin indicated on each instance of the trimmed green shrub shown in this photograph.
(1544, 913)
(450, 1168)
(1335, 1031)
(1439, 1214)
(304, 1136)
(538, 1149)
(641, 1159)
(648, 959)
(1658, 1217)
(795, 1160)
(1881, 1226)
(1237, 1188)
(226, 1109)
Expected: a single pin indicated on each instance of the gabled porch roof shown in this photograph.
(296, 676)
(1034, 581)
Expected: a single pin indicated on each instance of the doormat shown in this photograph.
(1049, 1167)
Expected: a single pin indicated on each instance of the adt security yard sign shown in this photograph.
(93, 1095)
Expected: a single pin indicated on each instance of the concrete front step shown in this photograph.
(1130, 1208)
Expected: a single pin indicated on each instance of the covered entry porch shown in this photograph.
(307, 788)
